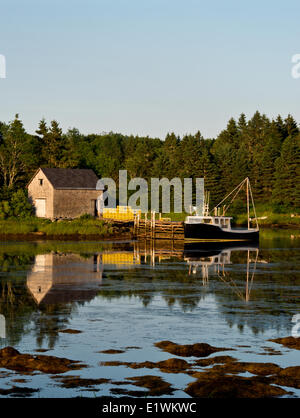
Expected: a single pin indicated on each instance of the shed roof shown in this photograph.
(72, 178)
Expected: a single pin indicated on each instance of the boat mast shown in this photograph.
(252, 200)
(237, 189)
(248, 209)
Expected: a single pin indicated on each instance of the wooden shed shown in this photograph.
(64, 193)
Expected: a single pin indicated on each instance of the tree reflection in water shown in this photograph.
(41, 287)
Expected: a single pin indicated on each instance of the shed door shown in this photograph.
(40, 208)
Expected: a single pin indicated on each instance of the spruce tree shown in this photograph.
(14, 153)
(291, 126)
(52, 142)
(286, 192)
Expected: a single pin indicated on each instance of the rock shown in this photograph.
(8, 352)
(155, 384)
(70, 382)
(290, 376)
(132, 365)
(112, 351)
(13, 360)
(261, 369)
(70, 331)
(19, 380)
(18, 391)
(189, 350)
(293, 372)
(126, 392)
(290, 342)
(114, 363)
(234, 367)
(270, 352)
(214, 360)
(232, 387)
(133, 347)
(173, 364)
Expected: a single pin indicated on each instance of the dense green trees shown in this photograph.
(17, 150)
(267, 151)
(286, 192)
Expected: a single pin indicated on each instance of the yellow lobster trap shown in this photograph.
(121, 213)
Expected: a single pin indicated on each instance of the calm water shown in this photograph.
(128, 296)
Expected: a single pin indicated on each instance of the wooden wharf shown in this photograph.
(162, 228)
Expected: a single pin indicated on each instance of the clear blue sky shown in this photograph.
(148, 67)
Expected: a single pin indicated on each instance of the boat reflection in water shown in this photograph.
(213, 259)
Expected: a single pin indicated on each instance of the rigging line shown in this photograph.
(231, 283)
(241, 183)
(235, 196)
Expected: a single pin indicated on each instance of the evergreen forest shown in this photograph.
(263, 149)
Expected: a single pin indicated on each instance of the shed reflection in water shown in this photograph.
(62, 278)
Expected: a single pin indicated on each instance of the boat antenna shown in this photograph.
(206, 203)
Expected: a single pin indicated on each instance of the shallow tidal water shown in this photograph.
(128, 296)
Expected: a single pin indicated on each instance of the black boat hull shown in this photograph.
(211, 248)
(206, 232)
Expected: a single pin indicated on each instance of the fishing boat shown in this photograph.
(216, 227)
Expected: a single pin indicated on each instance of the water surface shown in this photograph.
(128, 296)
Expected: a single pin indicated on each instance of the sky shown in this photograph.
(148, 67)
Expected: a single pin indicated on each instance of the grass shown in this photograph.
(175, 217)
(76, 226)
(88, 226)
(80, 226)
(266, 218)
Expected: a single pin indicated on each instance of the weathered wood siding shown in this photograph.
(74, 203)
(44, 191)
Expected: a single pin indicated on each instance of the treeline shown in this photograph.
(267, 151)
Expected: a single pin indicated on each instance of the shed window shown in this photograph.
(41, 182)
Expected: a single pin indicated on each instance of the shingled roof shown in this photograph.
(71, 178)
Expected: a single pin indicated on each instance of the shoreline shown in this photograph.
(36, 236)
(121, 236)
